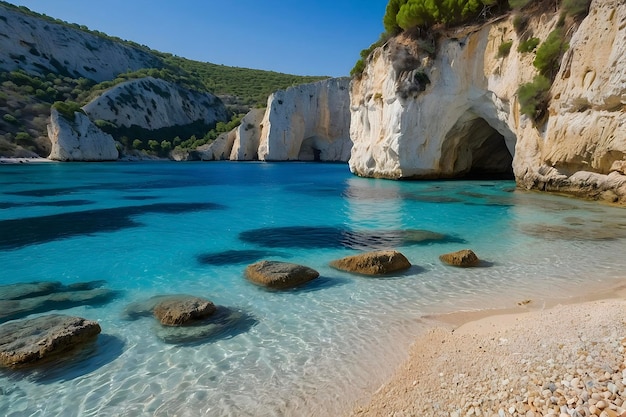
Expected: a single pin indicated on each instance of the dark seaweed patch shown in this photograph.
(59, 203)
(46, 192)
(333, 237)
(18, 233)
(139, 197)
(234, 257)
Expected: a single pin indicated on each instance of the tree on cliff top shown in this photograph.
(407, 14)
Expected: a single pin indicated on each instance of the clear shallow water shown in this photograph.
(161, 228)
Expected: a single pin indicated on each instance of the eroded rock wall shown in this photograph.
(41, 46)
(455, 112)
(152, 103)
(307, 122)
(79, 140)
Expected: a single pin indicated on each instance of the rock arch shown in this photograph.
(473, 148)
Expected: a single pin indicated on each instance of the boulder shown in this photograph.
(34, 341)
(462, 258)
(179, 310)
(279, 275)
(224, 323)
(373, 263)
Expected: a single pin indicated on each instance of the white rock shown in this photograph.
(79, 140)
(152, 103)
(307, 122)
(400, 132)
(59, 47)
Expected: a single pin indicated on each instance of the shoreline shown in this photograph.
(10, 161)
(557, 358)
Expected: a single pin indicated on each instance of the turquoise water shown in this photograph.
(168, 228)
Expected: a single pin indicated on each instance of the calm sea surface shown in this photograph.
(148, 229)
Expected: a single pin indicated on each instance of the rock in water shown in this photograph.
(462, 258)
(33, 341)
(373, 263)
(183, 309)
(279, 275)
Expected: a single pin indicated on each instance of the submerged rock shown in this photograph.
(203, 321)
(462, 258)
(224, 323)
(33, 341)
(279, 275)
(28, 289)
(373, 263)
(38, 297)
(179, 310)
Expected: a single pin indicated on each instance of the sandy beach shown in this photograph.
(565, 360)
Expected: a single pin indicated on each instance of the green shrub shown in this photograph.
(576, 7)
(425, 13)
(518, 4)
(358, 68)
(519, 23)
(504, 49)
(137, 144)
(67, 108)
(9, 118)
(528, 45)
(549, 53)
(23, 139)
(533, 96)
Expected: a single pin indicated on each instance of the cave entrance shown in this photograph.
(309, 150)
(473, 149)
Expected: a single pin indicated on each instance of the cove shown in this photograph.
(158, 228)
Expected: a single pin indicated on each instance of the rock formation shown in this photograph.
(183, 309)
(308, 122)
(279, 275)
(457, 113)
(79, 140)
(23, 299)
(31, 342)
(152, 104)
(248, 136)
(462, 258)
(40, 47)
(373, 263)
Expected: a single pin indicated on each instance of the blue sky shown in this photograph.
(296, 37)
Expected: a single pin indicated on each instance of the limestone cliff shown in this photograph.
(307, 122)
(79, 140)
(40, 46)
(415, 115)
(152, 104)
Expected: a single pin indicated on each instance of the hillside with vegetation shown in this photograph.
(35, 79)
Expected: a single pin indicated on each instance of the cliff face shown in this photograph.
(40, 46)
(152, 104)
(457, 114)
(309, 122)
(79, 140)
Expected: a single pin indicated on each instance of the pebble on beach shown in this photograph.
(567, 361)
